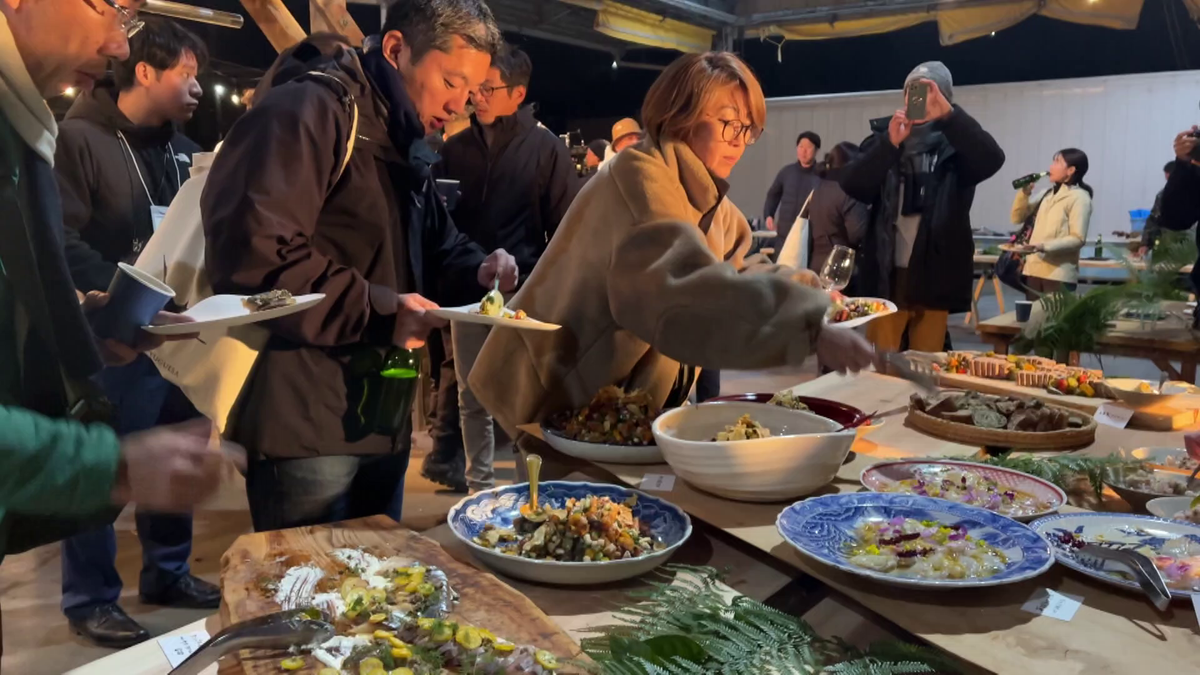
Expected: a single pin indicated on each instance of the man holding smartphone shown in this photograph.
(920, 175)
(1179, 208)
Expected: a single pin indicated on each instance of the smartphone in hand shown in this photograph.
(916, 97)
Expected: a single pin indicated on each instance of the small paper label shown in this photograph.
(1045, 602)
(1113, 415)
(659, 482)
(178, 647)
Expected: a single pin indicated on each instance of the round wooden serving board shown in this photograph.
(1030, 440)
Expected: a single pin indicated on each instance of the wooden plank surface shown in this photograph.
(1158, 418)
(1113, 632)
(485, 601)
(1170, 335)
(276, 22)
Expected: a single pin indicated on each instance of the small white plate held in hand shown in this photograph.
(223, 311)
(470, 314)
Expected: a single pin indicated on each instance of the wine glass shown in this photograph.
(839, 266)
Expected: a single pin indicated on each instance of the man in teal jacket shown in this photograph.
(59, 468)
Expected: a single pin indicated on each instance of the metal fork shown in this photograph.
(1144, 571)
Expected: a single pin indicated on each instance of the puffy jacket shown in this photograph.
(515, 189)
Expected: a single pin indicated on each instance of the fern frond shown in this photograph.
(1061, 469)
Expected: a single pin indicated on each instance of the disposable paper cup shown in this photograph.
(449, 191)
(134, 298)
(1024, 309)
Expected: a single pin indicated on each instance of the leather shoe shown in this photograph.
(448, 475)
(109, 626)
(189, 592)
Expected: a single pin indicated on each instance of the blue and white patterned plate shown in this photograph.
(1113, 530)
(821, 527)
(500, 507)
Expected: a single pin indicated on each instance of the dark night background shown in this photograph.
(577, 88)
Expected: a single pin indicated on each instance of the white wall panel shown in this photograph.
(1125, 123)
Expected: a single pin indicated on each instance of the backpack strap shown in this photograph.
(348, 99)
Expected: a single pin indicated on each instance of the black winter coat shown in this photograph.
(276, 215)
(105, 207)
(942, 264)
(1180, 206)
(514, 191)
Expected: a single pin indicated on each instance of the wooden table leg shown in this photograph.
(1187, 370)
(999, 292)
(973, 315)
(1165, 365)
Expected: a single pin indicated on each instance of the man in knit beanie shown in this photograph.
(919, 175)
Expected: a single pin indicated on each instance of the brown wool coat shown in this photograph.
(645, 271)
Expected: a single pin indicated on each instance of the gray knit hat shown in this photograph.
(936, 71)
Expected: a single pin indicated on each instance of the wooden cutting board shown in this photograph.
(485, 601)
(1158, 418)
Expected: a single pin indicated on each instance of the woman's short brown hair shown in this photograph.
(677, 99)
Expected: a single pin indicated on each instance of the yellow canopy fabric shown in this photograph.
(965, 23)
(646, 28)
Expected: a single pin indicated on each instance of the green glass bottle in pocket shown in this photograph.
(388, 395)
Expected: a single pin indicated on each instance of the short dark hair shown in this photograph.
(812, 138)
(514, 66)
(430, 24)
(1169, 167)
(160, 44)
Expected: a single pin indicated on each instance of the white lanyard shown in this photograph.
(178, 178)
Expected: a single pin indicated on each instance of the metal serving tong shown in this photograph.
(280, 630)
(914, 370)
(1143, 571)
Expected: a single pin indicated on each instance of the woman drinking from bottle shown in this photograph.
(1061, 226)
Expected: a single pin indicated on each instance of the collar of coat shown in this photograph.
(666, 180)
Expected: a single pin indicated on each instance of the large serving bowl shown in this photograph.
(821, 527)
(884, 476)
(1137, 498)
(500, 507)
(802, 454)
(1128, 391)
(845, 415)
(601, 452)
(1168, 507)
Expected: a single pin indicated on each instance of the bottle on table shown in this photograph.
(1099, 252)
(1028, 180)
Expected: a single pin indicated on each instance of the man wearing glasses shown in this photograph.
(516, 181)
(120, 161)
(61, 470)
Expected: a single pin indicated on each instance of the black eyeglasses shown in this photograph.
(126, 19)
(486, 90)
(732, 129)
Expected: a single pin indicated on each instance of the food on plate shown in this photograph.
(995, 412)
(744, 429)
(786, 399)
(1188, 515)
(959, 484)
(591, 529)
(392, 615)
(613, 417)
(1178, 558)
(1159, 484)
(261, 302)
(992, 367)
(847, 309)
(493, 305)
(957, 362)
(923, 549)
(1180, 461)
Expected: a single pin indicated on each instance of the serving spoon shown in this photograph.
(533, 465)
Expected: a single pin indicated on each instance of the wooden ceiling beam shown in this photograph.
(331, 16)
(276, 22)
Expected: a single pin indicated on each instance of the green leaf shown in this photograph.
(623, 648)
(666, 647)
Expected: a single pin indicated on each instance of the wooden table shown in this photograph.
(1168, 340)
(1113, 632)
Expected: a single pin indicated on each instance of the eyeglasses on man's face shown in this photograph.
(486, 90)
(127, 19)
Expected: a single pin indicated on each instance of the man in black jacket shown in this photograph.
(1180, 199)
(324, 186)
(920, 177)
(792, 185)
(119, 163)
(516, 181)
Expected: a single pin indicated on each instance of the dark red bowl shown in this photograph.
(841, 413)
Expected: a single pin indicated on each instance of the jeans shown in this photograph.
(142, 399)
(482, 437)
(446, 432)
(287, 493)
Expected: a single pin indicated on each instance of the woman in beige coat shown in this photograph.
(646, 273)
(1061, 226)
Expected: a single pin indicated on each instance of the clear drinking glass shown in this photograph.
(839, 267)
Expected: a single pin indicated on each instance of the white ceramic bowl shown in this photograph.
(1126, 389)
(803, 453)
(1167, 507)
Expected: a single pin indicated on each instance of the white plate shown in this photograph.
(1175, 459)
(1016, 248)
(223, 311)
(1167, 507)
(854, 323)
(602, 452)
(470, 314)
